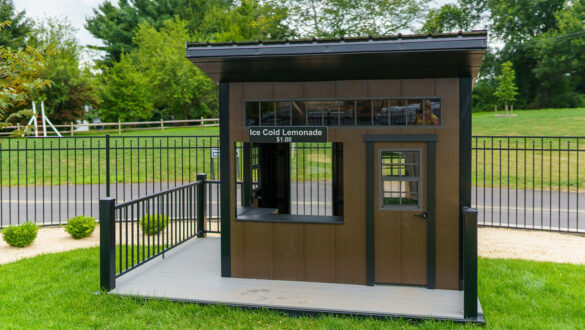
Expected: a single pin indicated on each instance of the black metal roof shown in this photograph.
(386, 57)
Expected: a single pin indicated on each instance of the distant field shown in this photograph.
(547, 122)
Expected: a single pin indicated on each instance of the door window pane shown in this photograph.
(364, 112)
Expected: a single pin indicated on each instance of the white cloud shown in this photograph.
(75, 10)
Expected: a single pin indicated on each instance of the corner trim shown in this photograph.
(225, 182)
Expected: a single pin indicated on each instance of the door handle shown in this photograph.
(423, 215)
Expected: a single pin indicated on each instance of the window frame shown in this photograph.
(381, 180)
(355, 99)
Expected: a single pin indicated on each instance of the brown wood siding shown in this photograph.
(336, 253)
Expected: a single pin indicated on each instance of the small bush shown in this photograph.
(22, 235)
(80, 226)
(154, 224)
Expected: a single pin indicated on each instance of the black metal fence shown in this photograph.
(49, 180)
(527, 182)
(530, 182)
(139, 230)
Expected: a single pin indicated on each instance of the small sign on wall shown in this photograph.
(288, 134)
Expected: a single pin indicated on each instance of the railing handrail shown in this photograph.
(157, 194)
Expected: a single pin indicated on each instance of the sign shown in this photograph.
(288, 134)
(215, 153)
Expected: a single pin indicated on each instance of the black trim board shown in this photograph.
(431, 222)
(465, 89)
(225, 164)
(370, 247)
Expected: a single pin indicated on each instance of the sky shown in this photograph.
(77, 10)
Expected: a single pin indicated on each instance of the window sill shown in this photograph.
(270, 215)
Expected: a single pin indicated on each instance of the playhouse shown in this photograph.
(381, 225)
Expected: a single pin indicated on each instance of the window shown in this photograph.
(400, 179)
(345, 112)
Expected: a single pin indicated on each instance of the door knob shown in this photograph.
(423, 215)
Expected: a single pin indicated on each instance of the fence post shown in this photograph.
(469, 263)
(119, 127)
(108, 165)
(107, 244)
(71, 128)
(202, 123)
(162, 125)
(201, 205)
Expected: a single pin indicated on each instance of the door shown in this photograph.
(401, 217)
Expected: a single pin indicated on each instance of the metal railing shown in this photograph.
(49, 180)
(137, 231)
(530, 182)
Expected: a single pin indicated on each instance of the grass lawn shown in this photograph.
(56, 291)
(545, 122)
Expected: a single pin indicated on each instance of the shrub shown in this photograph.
(22, 235)
(80, 226)
(154, 224)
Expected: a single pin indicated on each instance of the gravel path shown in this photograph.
(493, 243)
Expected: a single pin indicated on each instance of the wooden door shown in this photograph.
(400, 215)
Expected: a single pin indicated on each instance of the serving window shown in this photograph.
(290, 182)
(424, 111)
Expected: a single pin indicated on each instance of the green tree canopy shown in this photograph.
(72, 86)
(178, 88)
(20, 79)
(560, 53)
(13, 35)
(448, 18)
(124, 93)
(221, 20)
(341, 18)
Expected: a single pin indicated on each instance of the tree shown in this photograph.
(20, 79)
(218, 20)
(14, 35)
(560, 57)
(124, 93)
(507, 90)
(448, 18)
(345, 18)
(72, 86)
(177, 87)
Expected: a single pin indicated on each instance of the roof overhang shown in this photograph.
(436, 56)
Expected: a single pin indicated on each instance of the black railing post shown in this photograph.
(201, 205)
(107, 165)
(107, 244)
(469, 263)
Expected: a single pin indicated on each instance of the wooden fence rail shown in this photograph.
(71, 128)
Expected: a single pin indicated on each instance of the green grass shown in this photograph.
(545, 122)
(57, 291)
